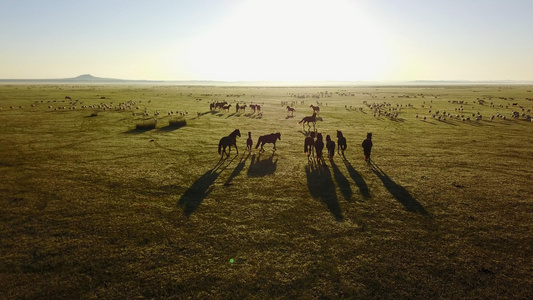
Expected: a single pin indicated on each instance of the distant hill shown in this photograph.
(89, 79)
(85, 78)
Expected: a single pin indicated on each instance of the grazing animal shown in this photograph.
(330, 145)
(341, 142)
(249, 142)
(316, 109)
(240, 107)
(319, 147)
(309, 144)
(269, 138)
(226, 107)
(308, 120)
(290, 110)
(253, 107)
(220, 105)
(228, 141)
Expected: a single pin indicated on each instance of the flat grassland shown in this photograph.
(93, 207)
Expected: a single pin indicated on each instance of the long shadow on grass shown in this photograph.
(138, 130)
(237, 169)
(171, 127)
(261, 168)
(398, 191)
(322, 187)
(358, 179)
(200, 189)
(342, 182)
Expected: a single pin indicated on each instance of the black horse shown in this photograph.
(341, 142)
(330, 145)
(309, 144)
(228, 141)
(309, 119)
(319, 147)
(269, 138)
(249, 142)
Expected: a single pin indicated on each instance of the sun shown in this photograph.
(290, 41)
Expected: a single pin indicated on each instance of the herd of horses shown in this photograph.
(313, 143)
(231, 140)
(225, 106)
(312, 146)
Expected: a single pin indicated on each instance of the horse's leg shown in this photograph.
(237, 149)
(223, 152)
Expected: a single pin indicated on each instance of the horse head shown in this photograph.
(236, 132)
(278, 135)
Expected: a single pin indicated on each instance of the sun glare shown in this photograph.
(289, 41)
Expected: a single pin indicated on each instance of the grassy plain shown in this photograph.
(92, 207)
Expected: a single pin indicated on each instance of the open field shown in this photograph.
(93, 207)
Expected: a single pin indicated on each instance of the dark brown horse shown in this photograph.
(308, 120)
(316, 109)
(330, 145)
(228, 141)
(309, 144)
(341, 142)
(319, 147)
(269, 138)
(290, 110)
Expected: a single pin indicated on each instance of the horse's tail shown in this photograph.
(220, 146)
(258, 142)
(301, 121)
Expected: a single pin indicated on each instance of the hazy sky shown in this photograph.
(275, 40)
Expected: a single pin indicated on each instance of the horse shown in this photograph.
(253, 107)
(228, 141)
(309, 144)
(309, 119)
(316, 109)
(226, 107)
(341, 142)
(249, 142)
(330, 145)
(290, 110)
(220, 105)
(239, 107)
(319, 147)
(269, 138)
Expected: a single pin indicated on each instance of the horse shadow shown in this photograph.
(289, 117)
(322, 187)
(306, 132)
(399, 192)
(231, 115)
(237, 170)
(342, 182)
(203, 114)
(261, 168)
(358, 179)
(200, 189)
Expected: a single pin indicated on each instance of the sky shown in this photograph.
(270, 40)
